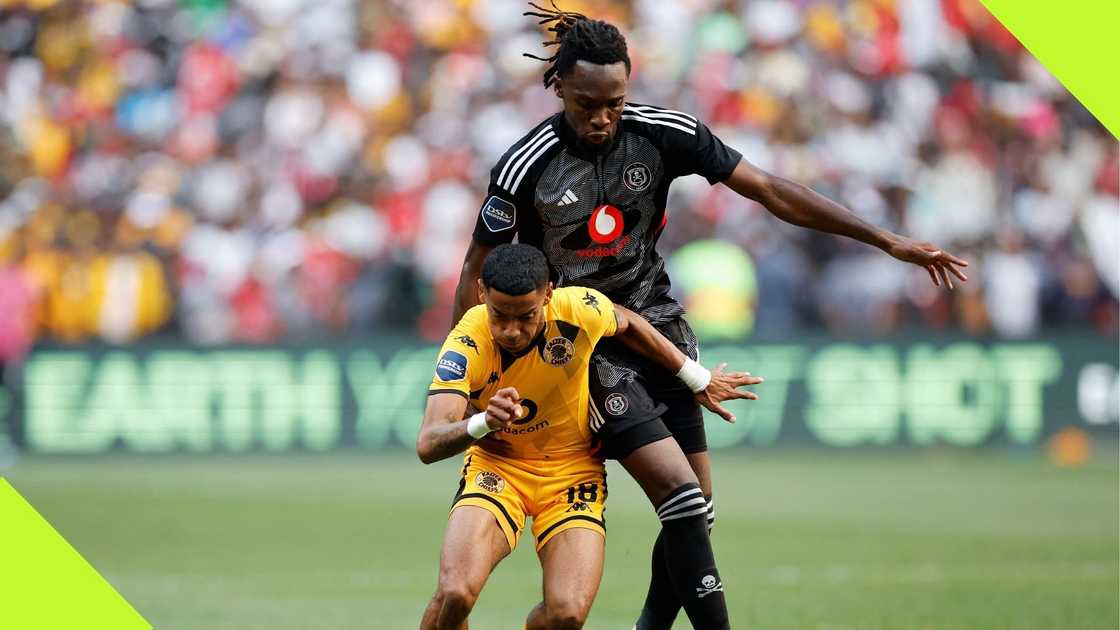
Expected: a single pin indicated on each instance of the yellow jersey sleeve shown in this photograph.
(464, 360)
(591, 310)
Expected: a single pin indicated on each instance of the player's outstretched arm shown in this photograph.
(466, 294)
(711, 387)
(445, 433)
(796, 204)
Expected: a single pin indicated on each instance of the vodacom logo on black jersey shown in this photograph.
(606, 224)
(608, 232)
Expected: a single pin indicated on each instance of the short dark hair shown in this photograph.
(579, 38)
(515, 269)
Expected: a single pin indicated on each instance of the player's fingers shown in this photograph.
(748, 380)
(724, 413)
(955, 260)
(933, 276)
(508, 392)
(501, 415)
(945, 276)
(957, 272)
(746, 395)
(518, 411)
(505, 404)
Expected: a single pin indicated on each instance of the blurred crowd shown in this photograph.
(252, 171)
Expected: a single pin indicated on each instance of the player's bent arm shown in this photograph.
(710, 388)
(466, 294)
(797, 204)
(640, 336)
(444, 432)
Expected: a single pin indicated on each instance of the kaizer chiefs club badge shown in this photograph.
(558, 351)
(489, 482)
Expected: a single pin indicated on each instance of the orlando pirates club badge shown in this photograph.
(637, 177)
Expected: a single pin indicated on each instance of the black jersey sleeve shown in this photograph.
(509, 198)
(702, 153)
(497, 218)
(687, 146)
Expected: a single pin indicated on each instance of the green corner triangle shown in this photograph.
(1077, 41)
(44, 583)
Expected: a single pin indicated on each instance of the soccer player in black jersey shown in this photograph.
(588, 186)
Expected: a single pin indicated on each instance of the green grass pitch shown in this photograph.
(806, 539)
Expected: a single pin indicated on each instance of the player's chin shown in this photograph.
(513, 348)
(597, 143)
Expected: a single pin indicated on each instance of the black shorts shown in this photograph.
(636, 402)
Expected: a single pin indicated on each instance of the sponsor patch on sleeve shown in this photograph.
(452, 366)
(499, 214)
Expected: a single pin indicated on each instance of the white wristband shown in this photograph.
(477, 427)
(696, 376)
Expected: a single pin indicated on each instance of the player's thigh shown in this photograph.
(659, 468)
(624, 415)
(473, 545)
(572, 563)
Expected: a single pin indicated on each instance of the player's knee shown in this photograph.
(568, 614)
(456, 596)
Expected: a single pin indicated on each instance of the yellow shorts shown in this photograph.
(558, 495)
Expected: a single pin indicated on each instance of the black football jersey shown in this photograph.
(597, 217)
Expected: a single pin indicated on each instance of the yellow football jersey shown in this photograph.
(550, 376)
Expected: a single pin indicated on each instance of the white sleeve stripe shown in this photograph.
(658, 122)
(679, 497)
(663, 115)
(596, 417)
(529, 149)
(666, 110)
(523, 149)
(529, 164)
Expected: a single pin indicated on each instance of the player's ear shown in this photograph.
(548, 293)
(481, 292)
(558, 87)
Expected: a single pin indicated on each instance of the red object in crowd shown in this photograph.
(207, 78)
(324, 275)
(257, 321)
(17, 296)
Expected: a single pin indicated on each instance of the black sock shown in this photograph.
(689, 561)
(662, 605)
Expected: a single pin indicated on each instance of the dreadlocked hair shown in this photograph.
(577, 37)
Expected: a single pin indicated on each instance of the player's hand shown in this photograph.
(504, 408)
(725, 386)
(940, 264)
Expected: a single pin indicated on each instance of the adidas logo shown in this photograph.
(569, 197)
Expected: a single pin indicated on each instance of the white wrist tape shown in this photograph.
(694, 375)
(476, 425)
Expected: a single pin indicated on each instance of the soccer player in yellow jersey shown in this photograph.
(525, 351)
